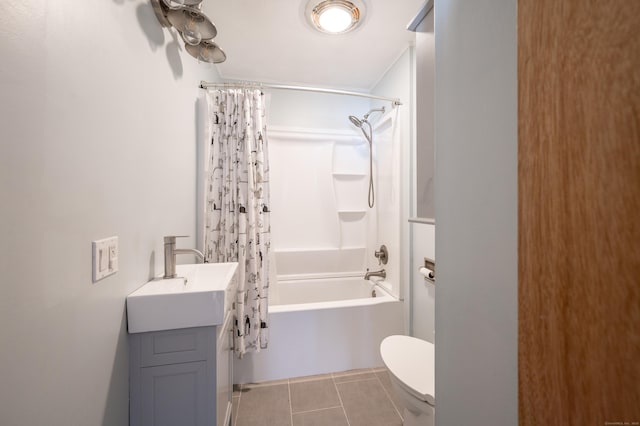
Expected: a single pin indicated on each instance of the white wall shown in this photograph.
(313, 110)
(476, 211)
(98, 139)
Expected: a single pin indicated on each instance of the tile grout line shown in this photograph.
(361, 380)
(355, 380)
(389, 397)
(318, 409)
(290, 403)
(340, 398)
(350, 378)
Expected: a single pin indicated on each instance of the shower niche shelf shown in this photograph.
(349, 175)
(347, 214)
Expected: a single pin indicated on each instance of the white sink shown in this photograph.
(200, 297)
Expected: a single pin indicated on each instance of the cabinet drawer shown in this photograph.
(175, 346)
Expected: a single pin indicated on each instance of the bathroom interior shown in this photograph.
(104, 118)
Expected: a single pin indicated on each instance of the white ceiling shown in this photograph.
(270, 41)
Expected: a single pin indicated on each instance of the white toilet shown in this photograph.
(411, 364)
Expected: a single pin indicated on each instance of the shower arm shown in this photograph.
(381, 109)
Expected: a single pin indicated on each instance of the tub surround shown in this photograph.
(295, 264)
(330, 231)
(323, 230)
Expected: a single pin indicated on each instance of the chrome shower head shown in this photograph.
(360, 122)
(356, 121)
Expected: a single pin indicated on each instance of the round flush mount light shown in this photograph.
(335, 16)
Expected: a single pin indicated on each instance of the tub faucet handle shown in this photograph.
(382, 255)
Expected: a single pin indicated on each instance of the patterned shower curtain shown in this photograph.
(237, 208)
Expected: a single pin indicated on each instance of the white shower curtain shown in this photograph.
(237, 206)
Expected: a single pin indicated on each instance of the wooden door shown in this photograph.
(579, 212)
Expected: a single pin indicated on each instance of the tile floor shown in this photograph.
(350, 398)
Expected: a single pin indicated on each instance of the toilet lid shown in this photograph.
(411, 361)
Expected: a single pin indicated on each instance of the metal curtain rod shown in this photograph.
(207, 85)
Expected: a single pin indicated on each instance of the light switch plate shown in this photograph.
(104, 257)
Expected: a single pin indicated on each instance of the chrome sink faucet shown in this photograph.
(170, 252)
(381, 273)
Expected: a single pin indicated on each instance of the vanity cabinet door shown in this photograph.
(174, 394)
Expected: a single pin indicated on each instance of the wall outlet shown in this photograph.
(105, 257)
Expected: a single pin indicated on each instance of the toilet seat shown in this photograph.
(411, 362)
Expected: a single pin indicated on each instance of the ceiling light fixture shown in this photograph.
(335, 16)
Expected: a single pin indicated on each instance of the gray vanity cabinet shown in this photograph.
(182, 377)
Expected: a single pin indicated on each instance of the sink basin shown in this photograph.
(199, 297)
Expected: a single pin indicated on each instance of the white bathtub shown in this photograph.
(322, 325)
